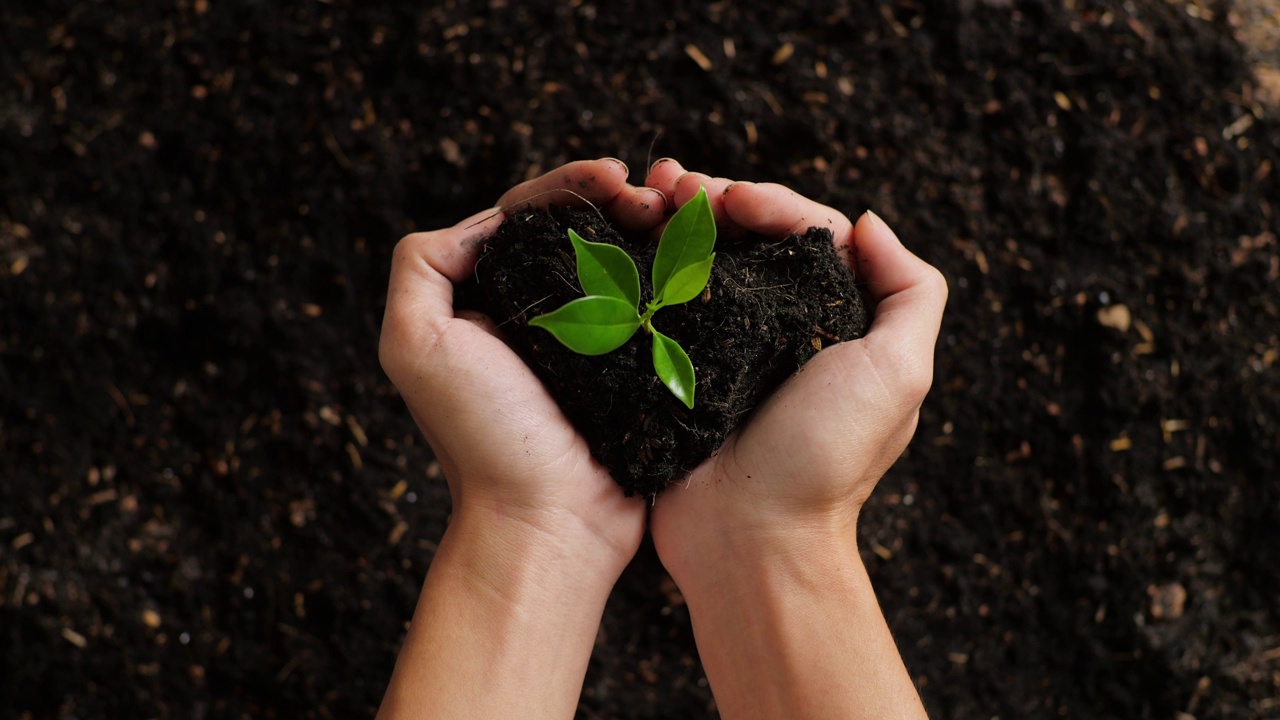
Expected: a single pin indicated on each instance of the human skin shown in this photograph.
(762, 539)
(539, 530)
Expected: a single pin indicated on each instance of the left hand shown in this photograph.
(514, 463)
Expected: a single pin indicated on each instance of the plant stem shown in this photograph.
(650, 309)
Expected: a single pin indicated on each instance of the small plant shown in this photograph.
(609, 315)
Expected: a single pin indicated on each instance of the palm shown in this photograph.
(502, 437)
(807, 449)
(815, 450)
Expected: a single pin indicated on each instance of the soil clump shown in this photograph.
(769, 307)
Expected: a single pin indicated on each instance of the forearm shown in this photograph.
(504, 628)
(794, 630)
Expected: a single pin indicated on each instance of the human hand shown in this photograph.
(761, 539)
(810, 456)
(540, 532)
(509, 455)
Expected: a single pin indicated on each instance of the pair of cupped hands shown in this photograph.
(796, 475)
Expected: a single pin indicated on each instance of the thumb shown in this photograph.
(424, 267)
(482, 321)
(855, 399)
(909, 296)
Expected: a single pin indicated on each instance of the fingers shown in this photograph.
(679, 186)
(482, 321)
(886, 266)
(663, 176)
(586, 181)
(422, 259)
(910, 296)
(761, 208)
(776, 211)
(424, 267)
(855, 403)
(599, 183)
(636, 209)
(687, 186)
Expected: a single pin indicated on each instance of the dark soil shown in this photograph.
(212, 503)
(768, 308)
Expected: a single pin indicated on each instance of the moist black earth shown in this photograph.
(213, 503)
(769, 307)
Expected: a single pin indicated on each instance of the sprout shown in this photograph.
(609, 315)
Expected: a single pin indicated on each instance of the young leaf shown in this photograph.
(687, 283)
(592, 325)
(688, 240)
(605, 269)
(675, 370)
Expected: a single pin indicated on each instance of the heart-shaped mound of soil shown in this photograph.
(769, 307)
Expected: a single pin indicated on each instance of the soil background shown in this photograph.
(212, 503)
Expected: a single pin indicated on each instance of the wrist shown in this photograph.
(514, 552)
(792, 628)
(804, 562)
(507, 619)
(731, 545)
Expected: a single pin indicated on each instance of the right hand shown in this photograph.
(806, 461)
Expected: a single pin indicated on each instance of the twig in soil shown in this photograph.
(745, 289)
(331, 142)
(522, 311)
(762, 289)
(681, 424)
(566, 282)
(501, 210)
(118, 398)
(824, 333)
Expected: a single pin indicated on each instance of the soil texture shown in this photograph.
(214, 505)
(769, 307)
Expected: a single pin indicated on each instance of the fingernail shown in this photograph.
(659, 162)
(625, 169)
(661, 196)
(878, 221)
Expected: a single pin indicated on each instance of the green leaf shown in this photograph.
(688, 240)
(607, 270)
(675, 370)
(593, 325)
(687, 283)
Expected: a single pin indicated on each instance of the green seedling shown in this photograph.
(609, 315)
